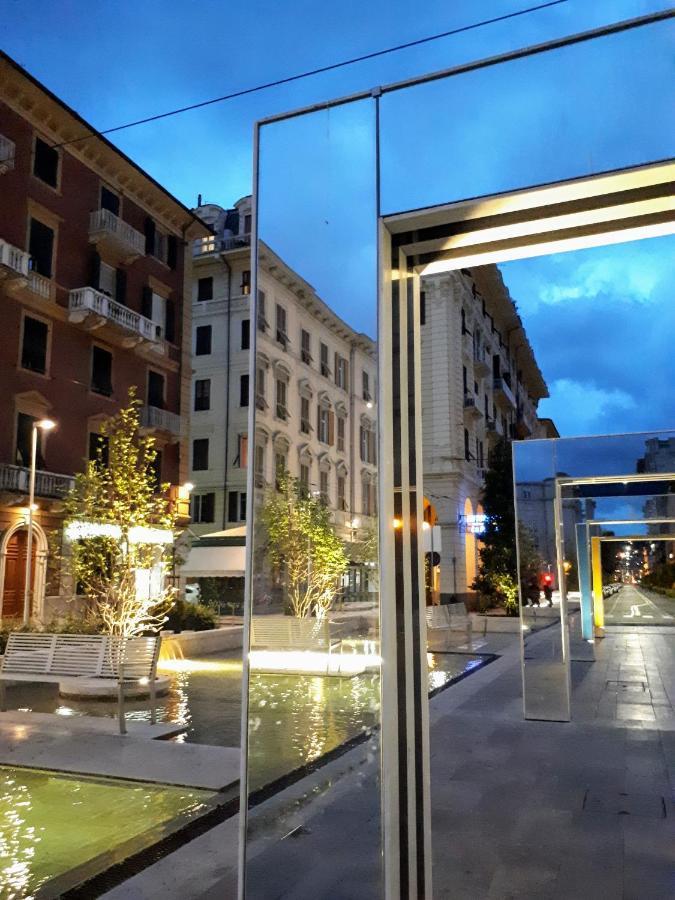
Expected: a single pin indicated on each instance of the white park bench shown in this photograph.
(288, 633)
(55, 657)
(448, 615)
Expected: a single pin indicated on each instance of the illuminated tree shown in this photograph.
(302, 543)
(114, 558)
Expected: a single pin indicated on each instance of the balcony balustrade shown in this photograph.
(96, 311)
(14, 263)
(7, 154)
(47, 484)
(115, 235)
(482, 363)
(155, 419)
(503, 393)
(471, 408)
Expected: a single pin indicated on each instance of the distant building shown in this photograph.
(660, 457)
(480, 382)
(92, 276)
(315, 386)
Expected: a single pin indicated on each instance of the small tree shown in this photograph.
(302, 542)
(497, 571)
(119, 489)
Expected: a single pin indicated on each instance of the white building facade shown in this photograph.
(480, 382)
(315, 385)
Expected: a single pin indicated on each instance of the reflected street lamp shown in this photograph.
(43, 425)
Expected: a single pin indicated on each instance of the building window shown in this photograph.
(242, 452)
(423, 308)
(341, 501)
(467, 446)
(24, 439)
(245, 334)
(262, 321)
(202, 394)
(46, 163)
(236, 506)
(366, 498)
(325, 368)
(156, 471)
(282, 335)
(205, 288)
(305, 426)
(101, 371)
(110, 200)
(306, 347)
(203, 507)
(156, 390)
(323, 486)
(325, 425)
(259, 466)
(98, 448)
(279, 468)
(203, 340)
(260, 401)
(34, 345)
(341, 434)
(41, 247)
(341, 372)
(367, 444)
(365, 385)
(281, 411)
(246, 282)
(200, 454)
(304, 478)
(243, 390)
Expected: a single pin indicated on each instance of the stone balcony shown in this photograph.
(17, 276)
(162, 421)
(15, 479)
(95, 311)
(116, 237)
(471, 408)
(503, 393)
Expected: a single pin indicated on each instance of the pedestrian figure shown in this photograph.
(548, 593)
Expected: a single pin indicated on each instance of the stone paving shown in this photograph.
(545, 810)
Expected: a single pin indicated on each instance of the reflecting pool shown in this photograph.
(52, 824)
(300, 717)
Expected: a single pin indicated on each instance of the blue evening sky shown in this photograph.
(116, 60)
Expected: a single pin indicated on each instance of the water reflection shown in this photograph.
(297, 718)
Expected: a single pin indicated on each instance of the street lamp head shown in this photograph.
(46, 424)
(189, 486)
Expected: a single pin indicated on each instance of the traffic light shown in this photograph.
(548, 578)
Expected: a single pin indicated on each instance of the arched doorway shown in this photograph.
(13, 570)
(469, 545)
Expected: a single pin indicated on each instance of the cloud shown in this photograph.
(578, 407)
(629, 277)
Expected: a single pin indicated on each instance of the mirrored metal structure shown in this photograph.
(355, 200)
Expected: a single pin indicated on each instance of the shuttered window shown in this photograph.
(101, 371)
(202, 394)
(203, 340)
(200, 454)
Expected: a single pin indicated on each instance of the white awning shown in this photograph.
(221, 554)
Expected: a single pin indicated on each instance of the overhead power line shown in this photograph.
(318, 71)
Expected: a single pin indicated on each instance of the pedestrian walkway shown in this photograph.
(636, 606)
(521, 810)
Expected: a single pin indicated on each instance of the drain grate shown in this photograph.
(627, 687)
(650, 806)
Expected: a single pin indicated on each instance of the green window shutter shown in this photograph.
(146, 302)
(121, 286)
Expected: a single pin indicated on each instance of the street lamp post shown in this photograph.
(43, 425)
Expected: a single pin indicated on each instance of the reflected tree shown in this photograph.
(302, 543)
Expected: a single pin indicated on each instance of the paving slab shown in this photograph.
(71, 746)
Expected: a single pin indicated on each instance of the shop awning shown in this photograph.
(221, 554)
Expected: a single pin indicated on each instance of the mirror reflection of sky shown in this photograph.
(535, 461)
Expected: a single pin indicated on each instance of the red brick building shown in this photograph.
(92, 280)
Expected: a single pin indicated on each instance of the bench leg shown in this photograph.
(120, 701)
(153, 702)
